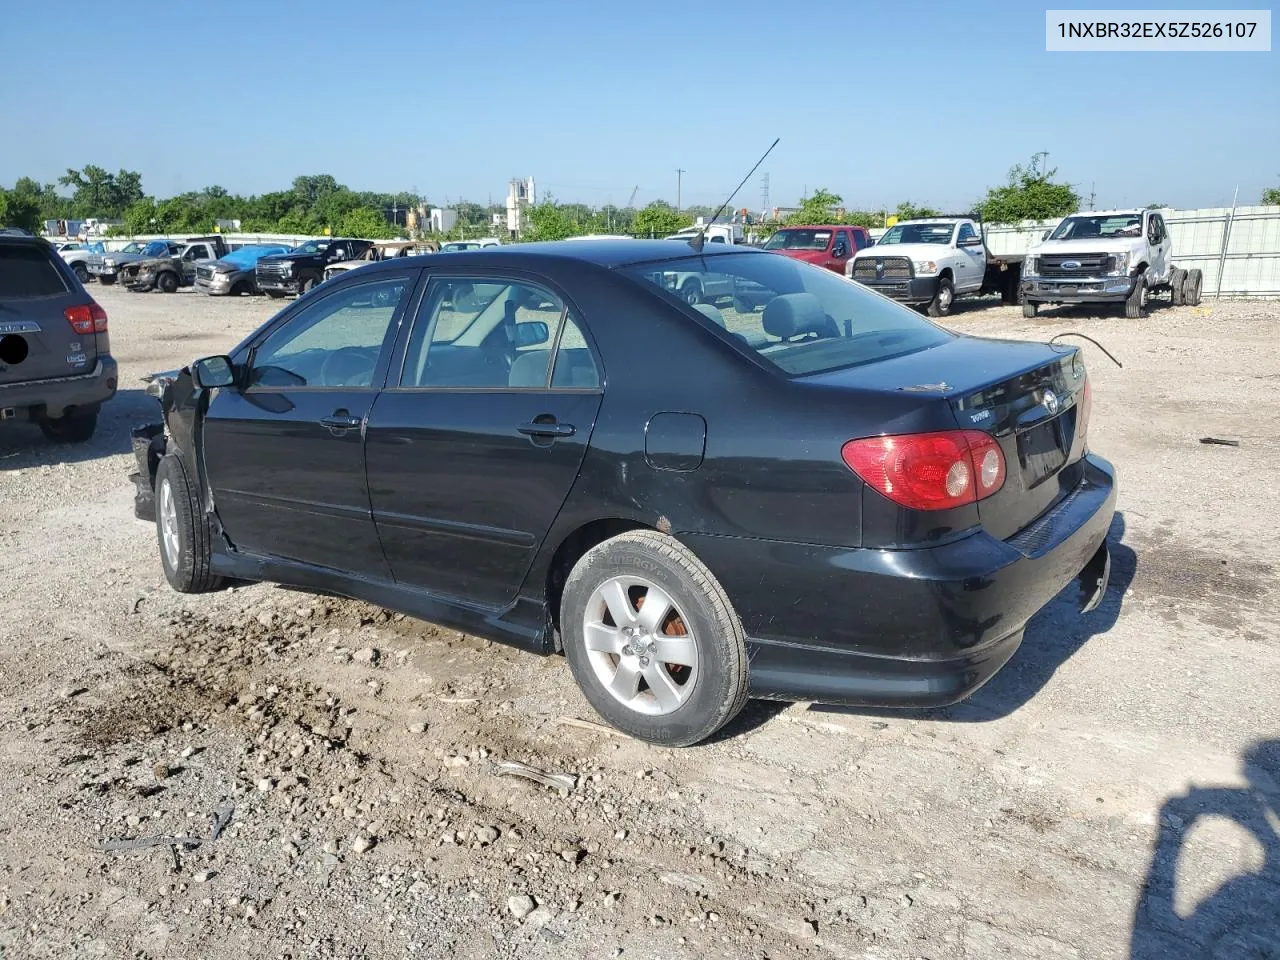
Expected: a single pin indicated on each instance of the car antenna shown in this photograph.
(700, 237)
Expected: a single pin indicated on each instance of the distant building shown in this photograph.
(443, 220)
(521, 194)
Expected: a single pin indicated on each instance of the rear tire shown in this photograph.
(1191, 288)
(75, 427)
(1176, 280)
(81, 272)
(1135, 307)
(182, 530)
(1029, 308)
(167, 283)
(692, 696)
(943, 300)
(240, 289)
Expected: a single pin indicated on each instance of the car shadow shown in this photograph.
(1052, 637)
(1241, 918)
(22, 445)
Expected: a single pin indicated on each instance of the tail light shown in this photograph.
(87, 318)
(1086, 407)
(929, 471)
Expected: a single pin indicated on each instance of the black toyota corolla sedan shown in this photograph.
(793, 488)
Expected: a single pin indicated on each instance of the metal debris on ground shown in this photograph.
(589, 725)
(557, 781)
(1219, 442)
(220, 819)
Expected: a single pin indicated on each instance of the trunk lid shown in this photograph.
(1027, 395)
(37, 341)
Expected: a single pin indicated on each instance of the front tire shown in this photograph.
(274, 294)
(167, 283)
(1029, 308)
(81, 272)
(943, 299)
(306, 285)
(182, 530)
(1135, 307)
(76, 427)
(673, 676)
(106, 280)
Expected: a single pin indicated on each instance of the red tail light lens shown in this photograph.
(87, 318)
(929, 471)
(1086, 407)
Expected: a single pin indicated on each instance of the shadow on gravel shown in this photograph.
(1241, 918)
(22, 445)
(1052, 637)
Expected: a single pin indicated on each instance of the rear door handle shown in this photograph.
(536, 429)
(340, 421)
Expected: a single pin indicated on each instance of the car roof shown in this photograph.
(820, 226)
(603, 253)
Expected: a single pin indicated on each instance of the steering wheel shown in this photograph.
(347, 367)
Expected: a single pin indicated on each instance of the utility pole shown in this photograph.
(1036, 164)
(764, 194)
(679, 185)
(1092, 193)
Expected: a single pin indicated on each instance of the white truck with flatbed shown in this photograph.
(932, 262)
(1107, 256)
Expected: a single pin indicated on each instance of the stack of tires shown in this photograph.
(1185, 286)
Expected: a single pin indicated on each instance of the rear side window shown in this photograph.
(799, 318)
(27, 272)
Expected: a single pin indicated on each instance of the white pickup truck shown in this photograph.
(932, 262)
(1107, 256)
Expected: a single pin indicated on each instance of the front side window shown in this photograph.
(495, 334)
(333, 342)
(799, 318)
(966, 233)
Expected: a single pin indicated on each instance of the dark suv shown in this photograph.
(303, 267)
(56, 366)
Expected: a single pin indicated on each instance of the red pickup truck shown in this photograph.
(826, 246)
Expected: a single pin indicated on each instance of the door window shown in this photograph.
(841, 246)
(966, 233)
(859, 239)
(333, 342)
(200, 252)
(495, 334)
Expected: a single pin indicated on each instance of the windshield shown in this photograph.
(156, 248)
(798, 317)
(917, 233)
(799, 240)
(248, 256)
(313, 246)
(455, 247)
(1108, 225)
(134, 247)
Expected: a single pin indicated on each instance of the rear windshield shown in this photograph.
(798, 317)
(28, 272)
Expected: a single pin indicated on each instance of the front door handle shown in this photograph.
(340, 420)
(549, 429)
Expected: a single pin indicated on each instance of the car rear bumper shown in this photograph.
(921, 627)
(54, 397)
(1085, 290)
(914, 290)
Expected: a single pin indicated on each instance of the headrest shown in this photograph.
(712, 313)
(794, 314)
(529, 369)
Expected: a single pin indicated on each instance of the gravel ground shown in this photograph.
(1112, 793)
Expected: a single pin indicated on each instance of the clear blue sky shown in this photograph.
(880, 102)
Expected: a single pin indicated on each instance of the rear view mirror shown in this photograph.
(531, 333)
(213, 372)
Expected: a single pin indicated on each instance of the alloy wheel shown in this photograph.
(169, 524)
(640, 646)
